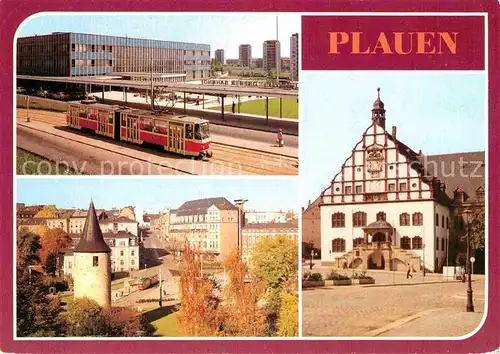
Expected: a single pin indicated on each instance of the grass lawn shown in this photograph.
(290, 107)
(32, 164)
(167, 326)
(117, 285)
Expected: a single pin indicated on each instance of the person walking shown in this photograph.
(279, 138)
(198, 100)
(408, 273)
(234, 107)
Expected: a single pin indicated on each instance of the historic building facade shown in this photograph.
(390, 206)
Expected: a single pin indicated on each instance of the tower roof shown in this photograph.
(378, 104)
(92, 240)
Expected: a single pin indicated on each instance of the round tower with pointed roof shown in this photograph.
(378, 111)
(92, 263)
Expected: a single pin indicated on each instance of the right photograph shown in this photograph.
(393, 203)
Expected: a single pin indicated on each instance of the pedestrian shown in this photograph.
(408, 273)
(234, 106)
(198, 100)
(279, 138)
(463, 274)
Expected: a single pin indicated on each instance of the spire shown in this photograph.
(92, 240)
(378, 111)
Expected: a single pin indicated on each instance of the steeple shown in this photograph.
(378, 111)
(92, 240)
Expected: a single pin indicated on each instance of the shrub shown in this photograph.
(306, 275)
(336, 276)
(315, 277)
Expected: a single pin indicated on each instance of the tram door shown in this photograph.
(73, 116)
(102, 122)
(132, 128)
(176, 138)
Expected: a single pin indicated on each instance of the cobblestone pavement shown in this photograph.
(358, 310)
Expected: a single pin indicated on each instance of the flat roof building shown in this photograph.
(294, 57)
(271, 55)
(245, 51)
(79, 54)
(219, 56)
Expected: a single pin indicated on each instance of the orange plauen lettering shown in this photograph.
(383, 44)
(450, 43)
(356, 43)
(424, 41)
(336, 39)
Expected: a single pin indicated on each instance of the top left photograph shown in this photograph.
(157, 94)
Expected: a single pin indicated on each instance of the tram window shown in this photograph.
(189, 131)
(124, 123)
(202, 131)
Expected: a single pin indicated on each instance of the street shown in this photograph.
(414, 309)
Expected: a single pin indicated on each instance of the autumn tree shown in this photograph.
(126, 322)
(199, 312)
(48, 211)
(53, 242)
(28, 246)
(288, 320)
(477, 229)
(275, 261)
(85, 317)
(243, 314)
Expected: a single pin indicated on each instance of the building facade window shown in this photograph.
(437, 243)
(358, 241)
(416, 243)
(121, 253)
(405, 243)
(404, 219)
(338, 245)
(348, 189)
(442, 221)
(418, 219)
(359, 219)
(402, 187)
(437, 219)
(132, 253)
(338, 220)
(381, 216)
(359, 189)
(392, 187)
(95, 261)
(442, 244)
(448, 223)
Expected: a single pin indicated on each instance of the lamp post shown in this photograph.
(239, 204)
(470, 305)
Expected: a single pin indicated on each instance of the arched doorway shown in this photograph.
(378, 237)
(376, 260)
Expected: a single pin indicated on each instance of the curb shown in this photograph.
(398, 323)
(256, 150)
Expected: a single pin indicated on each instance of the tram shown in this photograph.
(184, 135)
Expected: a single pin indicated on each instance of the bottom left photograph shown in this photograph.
(156, 257)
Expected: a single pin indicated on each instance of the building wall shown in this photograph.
(92, 281)
(294, 57)
(228, 232)
(124, 255)
(76, 225)
(271, 55)
(393, 211)
(311, 224)
(253, 235)
(46, 55)
(245, 55)
(253, 217)
(219, 56)
(58, 224)
(131, 227)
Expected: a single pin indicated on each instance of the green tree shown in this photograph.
(476, 228)
(275, 261)
(85, 318)
(288, 320)
(272, 73)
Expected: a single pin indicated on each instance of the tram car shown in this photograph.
(185, 135)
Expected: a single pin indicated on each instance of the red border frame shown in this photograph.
(14, 12)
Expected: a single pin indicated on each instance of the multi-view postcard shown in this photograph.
(153, 199)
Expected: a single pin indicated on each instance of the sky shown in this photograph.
(220, 31)
(155, 194)
(435, 112)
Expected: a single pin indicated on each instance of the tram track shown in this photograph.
(227, 158)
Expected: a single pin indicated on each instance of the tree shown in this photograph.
(28, 246)
(275, 261)
(48, 211)
(272, 73)
(53, 242)
(199, 312)
(288, 320)
(85, 318)
(476, 228)
(126, 322)
(243, 317)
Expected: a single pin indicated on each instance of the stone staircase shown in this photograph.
(395, 258)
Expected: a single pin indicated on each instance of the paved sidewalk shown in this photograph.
(256, 145)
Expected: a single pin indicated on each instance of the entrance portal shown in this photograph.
(376, 260)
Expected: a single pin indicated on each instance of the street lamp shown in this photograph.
(312, 255)
(470, 305)
(239, 204)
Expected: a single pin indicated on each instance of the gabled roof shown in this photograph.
(117, 219)
(200, 206)
(92, 240)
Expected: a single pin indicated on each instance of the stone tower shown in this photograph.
(92, 263)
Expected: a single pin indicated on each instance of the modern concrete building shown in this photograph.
(245, 57)
(255, 232)
(79, 54)
(92, 263)
(271, 55)
(256, 217)
(294, 57)
(210, 225)
(219, 56)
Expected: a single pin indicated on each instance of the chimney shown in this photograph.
(394, 132)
